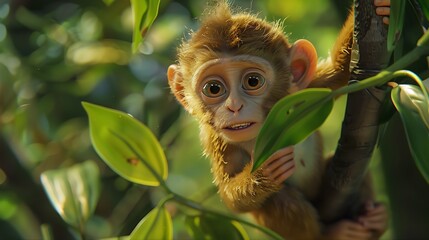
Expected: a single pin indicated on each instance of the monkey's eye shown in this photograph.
(253, 81)
(214, 89)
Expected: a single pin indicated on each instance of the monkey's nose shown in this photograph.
(235, 108)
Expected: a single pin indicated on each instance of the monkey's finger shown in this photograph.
(283, 152)
(382, 3)
(379, 226)
(377, 229)
(373, 218)
(357, 231)
(285, 175)
(372, 209)
(285, 166)
(383, 11)
(270, 170)
(375, 213)
(355, 227)
(341, 230)
(374, 222)
(386, 20)
(279, 161)
(279, 154)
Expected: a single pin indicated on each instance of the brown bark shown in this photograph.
(347, 170)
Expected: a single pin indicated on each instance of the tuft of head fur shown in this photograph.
(223, 33)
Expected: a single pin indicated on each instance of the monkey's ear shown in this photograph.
(175, 80)
(303, 63)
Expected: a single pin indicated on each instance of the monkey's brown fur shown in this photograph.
(285, 209)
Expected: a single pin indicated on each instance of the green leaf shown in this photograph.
(424, 40)
(156, 224)
(73, 191)
(424, 5)
(291, 120)
(210, 227)
(242, 234)
(396, 22)
(413, 108)
(144, 14)
(126, 145)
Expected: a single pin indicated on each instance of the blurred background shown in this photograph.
(54, 54)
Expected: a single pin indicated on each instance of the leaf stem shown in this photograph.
(163, 201)
(413, 76)
(194, 205)
(377, 80)
(385, 75)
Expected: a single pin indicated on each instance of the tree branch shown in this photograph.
(347, 170)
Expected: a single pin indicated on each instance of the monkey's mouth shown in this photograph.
(240, 126)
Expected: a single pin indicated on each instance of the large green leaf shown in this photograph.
(73, 191)
(156, 224)
(424, 5)
(413, 108)
(144, 14)
(291, 120)
(210, 227)
(396, 22)
(126, 145)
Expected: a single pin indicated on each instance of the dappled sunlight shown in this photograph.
(104, 52)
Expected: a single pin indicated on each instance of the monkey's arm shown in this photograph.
(334, 72)
(245, 191)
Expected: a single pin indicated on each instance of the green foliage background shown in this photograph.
(54, 54)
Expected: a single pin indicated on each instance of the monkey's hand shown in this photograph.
(243, 190)
(371, 225)
(383, 9)
(279, 166)
(375, 218)
(347, 230)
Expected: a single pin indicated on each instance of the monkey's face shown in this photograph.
(233, 90)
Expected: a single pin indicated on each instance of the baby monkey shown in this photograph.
(229, 75)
